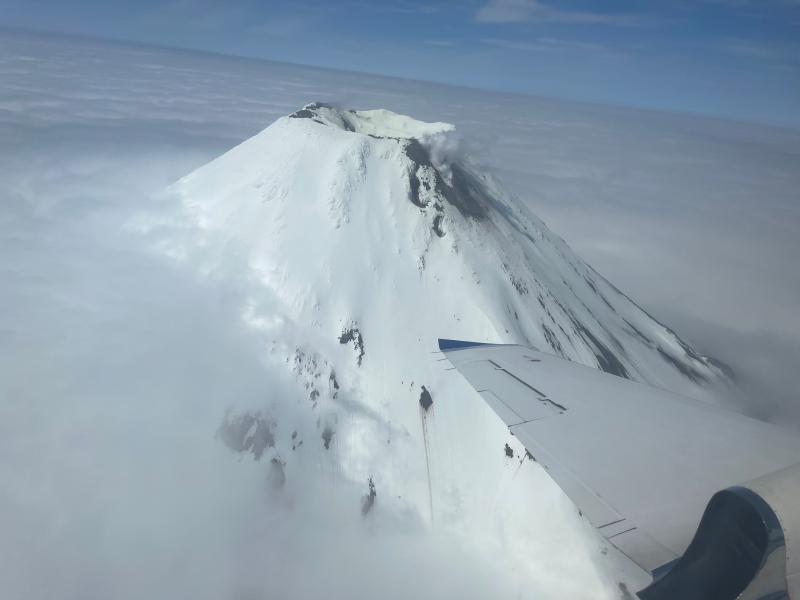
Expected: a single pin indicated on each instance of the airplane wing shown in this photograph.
(640, 463)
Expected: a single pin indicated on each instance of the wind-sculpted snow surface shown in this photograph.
(364, 242)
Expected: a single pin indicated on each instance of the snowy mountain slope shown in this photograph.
(367, 236)
(348, 199)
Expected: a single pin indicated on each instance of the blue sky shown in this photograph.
(730, 58)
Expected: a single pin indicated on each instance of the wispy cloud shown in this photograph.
(440, 43)
(285, 27)
(400, 6)
(199, 14)
(775, 52)
(520, 11)
(549, 44)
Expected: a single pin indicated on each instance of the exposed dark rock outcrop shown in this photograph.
(463, 191)
(327, 436)
(625, 593)
(353, 334)
(425, 399)
(247, 432)
(368, 500)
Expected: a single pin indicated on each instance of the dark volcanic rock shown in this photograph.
(425, 399)
(327, 436)
(353, 334)
(247, 432)
(368, 500)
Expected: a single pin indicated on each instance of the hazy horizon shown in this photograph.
(722, 58)
(766, 123)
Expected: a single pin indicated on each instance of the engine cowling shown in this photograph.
(747, 546)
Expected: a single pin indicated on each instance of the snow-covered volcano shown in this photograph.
(367, 236)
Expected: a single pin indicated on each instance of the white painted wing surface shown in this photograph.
(641, 463)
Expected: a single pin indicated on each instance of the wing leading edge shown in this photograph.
(639, 462)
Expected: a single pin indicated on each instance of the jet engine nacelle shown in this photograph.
(747, 546)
